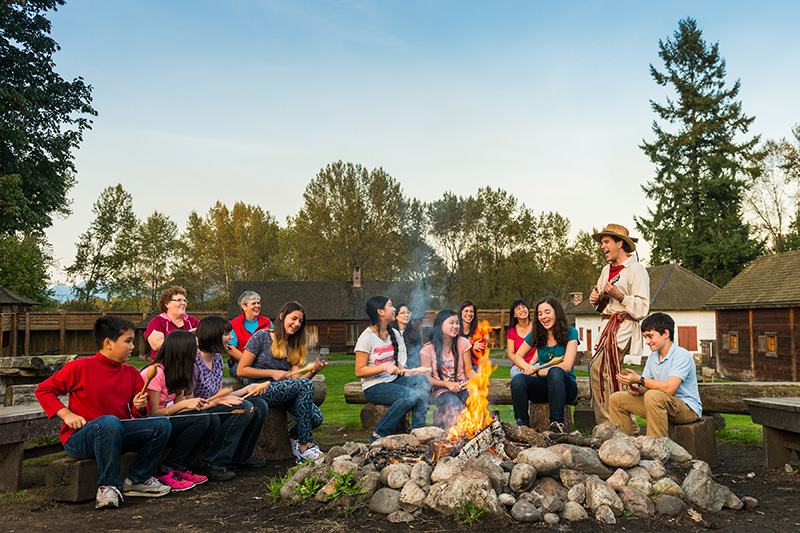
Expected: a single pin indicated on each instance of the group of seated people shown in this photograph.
(178, 402)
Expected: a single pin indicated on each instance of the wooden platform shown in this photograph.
(18, 424)
(780, 418)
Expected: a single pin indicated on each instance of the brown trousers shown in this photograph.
(657, 407)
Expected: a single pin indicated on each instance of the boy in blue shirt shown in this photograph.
(667, 389)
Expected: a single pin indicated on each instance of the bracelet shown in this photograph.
(384, 367)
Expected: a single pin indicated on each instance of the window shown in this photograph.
(734, 348)
(768, 344)
(580, 334)
(351, 336)
(687, 337)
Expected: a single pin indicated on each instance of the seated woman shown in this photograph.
(275, 356)
(468, 317)
(173, 317)
(450, 357)
(555, 384)
(409, 330)
(519, 325)
(380, 362)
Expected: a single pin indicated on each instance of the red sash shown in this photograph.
(607, 351)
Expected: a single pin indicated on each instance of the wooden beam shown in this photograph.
(27, 333)
(792, 334)
(752, 347)
(13, 334)
(62, 333)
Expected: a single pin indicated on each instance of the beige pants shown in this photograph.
(657, 407)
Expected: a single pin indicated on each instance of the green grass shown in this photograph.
(740, 429)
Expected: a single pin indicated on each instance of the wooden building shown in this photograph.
(757, 320)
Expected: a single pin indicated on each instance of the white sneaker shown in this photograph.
(295, 448)
(108, 497)
(556, 427)
(311, 454)
(151, 488)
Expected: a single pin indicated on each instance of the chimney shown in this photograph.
(356, 277)
(576, 297)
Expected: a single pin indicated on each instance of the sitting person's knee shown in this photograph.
(653, 396)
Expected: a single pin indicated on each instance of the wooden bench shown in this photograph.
(780, 418)
(17, 425)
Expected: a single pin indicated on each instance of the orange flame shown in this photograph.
(474, 417)
(482, 330)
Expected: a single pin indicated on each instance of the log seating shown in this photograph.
(698, 438)
(780, 418)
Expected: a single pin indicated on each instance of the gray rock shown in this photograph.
(318, 470)
(506, 477)
(335, 452)
(421, 474)
(524, 511)
(370, 483)
(607, 431)
(551, 518)
(368, 468)
(507, 499)
(677, 453)
(543, 460)
(385, 501)
(702, 466)
(355, 448)
(652, 448)
(668, 487)
(484, 463)
(618, 479)
(601, 494)
(468, 486)
(397, 442)
(733, 501)
(670, 505)
(548, 486)
(395, 476)
(636, 502)
(640, 484)
(570, 478)
(584, 459)
(343, 467)
(428, 434)
(574, 512)
(446, 468)
(412, 495)
(655, 468)
(620, 452)
(787, 468)
(508, 466)
(532, 497)
(749, 502)
(639, 472)
(552, 504)
(605, 515)
(400, 517)
(522, 477)
(703, 492)
(326, 491)
(577, 493)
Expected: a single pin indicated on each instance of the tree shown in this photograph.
(106, 251)
(156, 237)
(23, 266)
(42, 119)
(701, 169)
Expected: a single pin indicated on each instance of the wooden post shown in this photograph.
(752, 348)
(27, 334)
(2, 332)
(62, 334)
(793, 344)
(13, 334)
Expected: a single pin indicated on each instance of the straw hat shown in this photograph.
(620, 232)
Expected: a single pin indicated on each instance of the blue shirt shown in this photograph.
(545, 354)
(679, 363)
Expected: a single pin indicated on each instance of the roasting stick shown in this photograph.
(151, 373)
(418, 370)
(221, 393)
(554, 361)
(233, 412)
(306, 368)
(257, 390)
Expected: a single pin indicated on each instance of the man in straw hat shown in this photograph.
(622, 296)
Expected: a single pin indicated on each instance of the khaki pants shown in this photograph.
(657, 407)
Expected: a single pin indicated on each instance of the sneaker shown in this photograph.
(252, 462)
(152, 488)
(556, 427)
(108, 497)
(191, 477)
(311, 454)
(214, 473)
(295, 447)
(175, 482)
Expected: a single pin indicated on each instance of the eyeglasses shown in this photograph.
(180, 300)
(404, 313)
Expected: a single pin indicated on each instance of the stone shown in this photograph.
(787, 468)
(343, 467)
(532, 497)
(355, 448)
(607, 431)
(446, 468)
(548, 486)
(524, 511)
(421, 474)
(397, 442)
(333, 453)
(618, 479)
(601, 494)
(620, 452)
(584, 459)
(605, 515)
(636, 503)
(395, 476)
(507, 499)
(639, 472)
(733, 501)
(551, 518)
(652, 448)
(508, 466)
(552, 504)
(702, 466)
(428, 434)
(543, 460)
(640, 484)
(670, 505)
(655, 468)
(677, 453)
(574, 512)
(318, 470)
(400, 517)
(326, 491)
(506, 477)
(703, 492)
(412, 495)
(577, 493)
(370, 483)
(385, 501)
(522, 478)
(468, 486)
(667, 486)
(749, 502)
(570, 478)
(484, 463)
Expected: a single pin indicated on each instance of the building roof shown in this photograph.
(323, 300)
(769, 281)
(672, 288)
(8, 297)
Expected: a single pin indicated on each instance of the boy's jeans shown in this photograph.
(104, 439)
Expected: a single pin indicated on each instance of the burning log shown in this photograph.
(492, 436)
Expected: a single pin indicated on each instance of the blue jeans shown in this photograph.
(104, 439)
(190, 435)
(297, 397)
(450, 405)
(252, 432)
(230, 433)
(232, 367)
(404, 394)
(556, 388)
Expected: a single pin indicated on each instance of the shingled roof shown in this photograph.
(672, 288)
(323, 300)
(8, 297)
(769, 281)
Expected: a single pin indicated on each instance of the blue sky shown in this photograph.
(246, 100)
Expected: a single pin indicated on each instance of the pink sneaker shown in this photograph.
(191, 477)
(175, 481)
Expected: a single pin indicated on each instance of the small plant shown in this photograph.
(308, 488)
(469, 513)
(275, 484)
(344, 484)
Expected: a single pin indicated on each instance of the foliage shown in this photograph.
(308, 488)
(469, 513)
(23, 267)
(274, 485)
(156, 237)
(345, 484)
(42, 119)
(701, 169)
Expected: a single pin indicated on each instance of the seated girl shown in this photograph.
(555, 384)
(449, 355)
(519, 325)
(276, 356)
(380, 362)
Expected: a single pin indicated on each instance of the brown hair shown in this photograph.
(168, 295)
(292, 348)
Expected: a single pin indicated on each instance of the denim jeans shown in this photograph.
(450, 404)
(104, 439)
(404, 394)
(232, 367)
(190, 435)
(297, 397)
(230, 433)
(556, 388)
(252, 432)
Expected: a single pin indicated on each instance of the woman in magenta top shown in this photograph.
(173, 317)
(519, 325)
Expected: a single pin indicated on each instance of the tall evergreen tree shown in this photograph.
(702, 166)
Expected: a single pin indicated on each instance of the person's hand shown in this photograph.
(528, 369)
(283, 376)
(74, 421)
(454, 387)
(635, 390)
(628, 377)
(479, 346)
(389, 368)
(193, 404)
(228, 401)
(594, 296)
(193, 330)
(140, 401)
(318, 366)
(613, 291)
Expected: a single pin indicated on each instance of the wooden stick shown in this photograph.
(257, 390)
(418, 370)
(202, 413)
(224, 391)
(151, 373)
(306, 368)
(553, 361)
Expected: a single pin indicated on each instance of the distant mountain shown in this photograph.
(62, 292)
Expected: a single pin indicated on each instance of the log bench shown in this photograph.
(698, 438)
(780, 419)
(17, 425)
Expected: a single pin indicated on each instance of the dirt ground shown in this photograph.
(243, 505)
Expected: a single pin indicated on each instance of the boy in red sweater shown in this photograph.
(104, 396)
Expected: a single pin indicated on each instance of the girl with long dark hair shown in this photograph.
(519, 325)
(380, 363)
(409, 330)
(468, 321)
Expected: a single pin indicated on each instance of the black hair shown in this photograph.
(659, 322)
(210, 332)
(437, 339)
(110, 327)
(411, 335)
(513, 320)
(625, 245)
(373, 305)
(178, 354)
(560, 328)
(474, 324)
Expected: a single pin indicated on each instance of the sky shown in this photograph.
(202, 101)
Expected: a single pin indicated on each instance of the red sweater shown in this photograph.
(96, 386)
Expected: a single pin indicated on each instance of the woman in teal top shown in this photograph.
(555, 384)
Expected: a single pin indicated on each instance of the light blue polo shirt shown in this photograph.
(678, 363)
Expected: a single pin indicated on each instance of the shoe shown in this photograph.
(214, 473)
(556, 427)
(252, 462)
(175, 482)
(191, 477)
(108, 497)
(295, 447)
(152, 488)
(311, 454)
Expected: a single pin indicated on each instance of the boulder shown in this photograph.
(652, 448)
(607, 431)
(397, 442)
(522, 478)
(400, 517)
(574, 512)
(548, 486)
(667, 486)
(428, 434)
(421, 474)
(507, 499)
(601, 494)
(677, 453)
(524, 511)
(605, 515)
(545, 461)
(396, 476)
(655, 468)
(703, 492)
(355, 448)
(618, 479)
(551, 519)
(370, 482)
(749, 502)
(484, 463)
(636, 503)
(570, 478)
(411, 496)
(584, 459)
(333, 453)
(639, 472)
(552, 504)
(620, 452)
(469, 486)
(640, 484)
(343, 467)
(385, 501)
(670, 505)
(577, 493)
(446, 468)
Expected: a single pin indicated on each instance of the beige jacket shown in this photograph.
(634, 283)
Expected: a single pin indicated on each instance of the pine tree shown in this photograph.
(702, 169)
